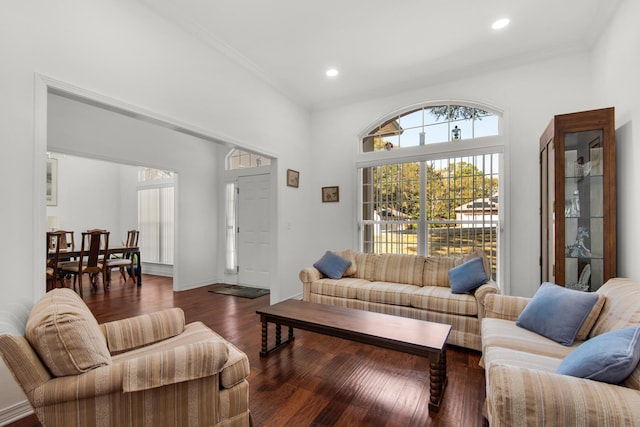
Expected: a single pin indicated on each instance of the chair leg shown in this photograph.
(132, 273)
(124, 271)
(79, 283)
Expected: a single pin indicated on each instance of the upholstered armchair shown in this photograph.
(149, 370)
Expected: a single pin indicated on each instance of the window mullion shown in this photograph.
(423, 228)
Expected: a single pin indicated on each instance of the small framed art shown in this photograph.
(293, 178)
(330, 194)
(52, 182)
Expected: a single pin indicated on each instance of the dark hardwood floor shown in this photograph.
(317, 380)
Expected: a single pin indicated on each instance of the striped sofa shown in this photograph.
(521, 384)
(404, 285)
(149, 370)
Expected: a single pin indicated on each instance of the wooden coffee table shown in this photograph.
(403, 334)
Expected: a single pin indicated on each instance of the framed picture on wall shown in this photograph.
(293, 178)
(330, 194)
(52, 182)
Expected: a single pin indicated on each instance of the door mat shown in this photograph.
(239, 291)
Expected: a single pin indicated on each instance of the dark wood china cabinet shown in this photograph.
(578, 199)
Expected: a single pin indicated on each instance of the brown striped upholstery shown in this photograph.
(366, 265)
(522, 386)
(589, 322)
(351, 256)
(165, 373)
(134, 332)
(399, 269)
(505, 334)
(405, 285)
(346, 287)
(65, 334)
(621, 307)
(441, 300)
(387, 293)
(533, 397)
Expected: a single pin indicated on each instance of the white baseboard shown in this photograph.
(15, 412)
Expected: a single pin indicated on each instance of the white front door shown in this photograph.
(254, 233)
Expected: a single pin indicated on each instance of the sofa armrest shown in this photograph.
(519, 396)
(504, 306)
(307, 276)
(175, 365)
(481, 293)
(97, 382)
(133, 332)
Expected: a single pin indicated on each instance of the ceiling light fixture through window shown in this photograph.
(332, 72)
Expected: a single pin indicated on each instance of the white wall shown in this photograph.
(121, 50)
(529, 95)
(84, 129)
(616, 67)
(92, 194)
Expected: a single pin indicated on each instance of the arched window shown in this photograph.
(240, 159)
(429, 125)
(430, 182)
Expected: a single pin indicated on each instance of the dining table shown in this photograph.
(69, 253)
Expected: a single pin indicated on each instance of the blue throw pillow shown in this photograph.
(557, 312)
(332, 265)
(468, 276)
(610, 357)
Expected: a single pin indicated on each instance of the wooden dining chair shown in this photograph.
(66, 243)
(94, 250)
(67, 240)
(127, 261)
(53, 259)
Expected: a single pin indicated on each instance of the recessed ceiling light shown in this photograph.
(332, 72)
(500, 24)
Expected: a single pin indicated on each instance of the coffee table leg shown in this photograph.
(278, 334)
(265, 350)
(438, 380)
(265, 331)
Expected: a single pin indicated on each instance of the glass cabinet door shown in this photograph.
(583, 210)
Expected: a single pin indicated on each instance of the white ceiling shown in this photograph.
(381, 46)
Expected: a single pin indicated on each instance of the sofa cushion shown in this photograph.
(467, 276)
(332, 265)
(347, 287)
(522, 359)
(505, 333)
(65, 334)
(387, 293)
(621, 308)
(436, 270)
(585, 329)
(351, 256)
(610, 357)
(235, 369)
(441, 300)
(399, 269)
(557, 312)
(366, 265)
